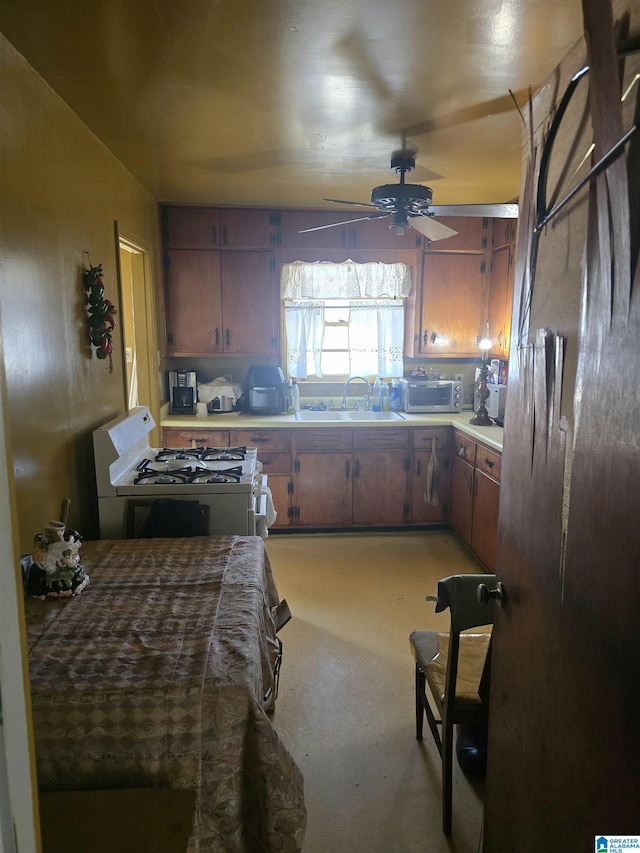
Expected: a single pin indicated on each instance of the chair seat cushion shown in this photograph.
(431, 651)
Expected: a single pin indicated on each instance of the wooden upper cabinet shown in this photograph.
(294, 221)
(193, 302)
(248, 228)
(213, 227)
(190, 227)
(451, 307)
(504, 232)
(251, 309)
(376, 234)
(500, 300)
(474, 234)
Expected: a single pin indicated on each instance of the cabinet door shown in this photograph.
(462, 483)
(281, 489)
(504, 233)
(430, 493)
(248, 228)
(451, 303)
(323, 489)
(294, 221)
(198, 437)
(250, 306)
(474, 233)
(499, 301)
(376, 234)
(193, 302)
(381, 487)
(190, 227)
(484, 539)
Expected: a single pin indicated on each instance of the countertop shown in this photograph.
(491, 435)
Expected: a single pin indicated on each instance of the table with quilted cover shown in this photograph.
(155, 676)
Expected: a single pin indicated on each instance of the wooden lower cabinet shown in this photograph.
(370, 477)
(475, 496)
(430, 487)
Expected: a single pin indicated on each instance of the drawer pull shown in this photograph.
(463, 450)
(489, 463)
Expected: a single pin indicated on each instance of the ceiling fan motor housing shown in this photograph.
(412, 198)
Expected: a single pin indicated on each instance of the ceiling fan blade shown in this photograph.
(354, 203)
(431, 228)
(495, 211)
(346, 222)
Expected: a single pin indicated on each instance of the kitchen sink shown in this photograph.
(349, 415)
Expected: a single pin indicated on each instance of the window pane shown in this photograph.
(336, 337)
(335, 363)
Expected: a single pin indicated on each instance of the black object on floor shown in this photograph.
(471, 749)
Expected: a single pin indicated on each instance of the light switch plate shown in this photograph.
(459, 377)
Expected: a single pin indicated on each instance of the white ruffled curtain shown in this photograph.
(304, 323)
(376, 335)
(376, 324)
(349, 280)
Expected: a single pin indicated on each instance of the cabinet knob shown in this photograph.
(489, 463)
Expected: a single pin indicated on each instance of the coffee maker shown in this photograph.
(183, 393)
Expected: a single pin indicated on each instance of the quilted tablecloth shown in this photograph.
(155, 677)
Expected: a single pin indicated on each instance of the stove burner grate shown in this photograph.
(205, 454)
(226, 475)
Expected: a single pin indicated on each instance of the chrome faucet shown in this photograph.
(346, 385)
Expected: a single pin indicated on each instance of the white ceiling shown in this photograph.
(286, 102)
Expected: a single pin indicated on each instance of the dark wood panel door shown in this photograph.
(323, 489)
(248, 228)
(281, 491)
(380, 487)
(474, 234)
(292, 222)
(451, 303)
(250, 304)
(193, 302)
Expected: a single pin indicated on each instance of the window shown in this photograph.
(331, 335)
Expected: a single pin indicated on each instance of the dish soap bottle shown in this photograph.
(394, 396)
(376, 403)
(295, 395)
(385, 397)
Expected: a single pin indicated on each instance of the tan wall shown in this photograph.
(60, 191)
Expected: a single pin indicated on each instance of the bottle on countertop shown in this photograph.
(394, 396)
(376, 401)
(295, 395)
(385, 397)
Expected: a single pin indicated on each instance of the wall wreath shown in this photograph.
(101, 317)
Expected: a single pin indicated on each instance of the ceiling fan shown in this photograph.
(410, 206)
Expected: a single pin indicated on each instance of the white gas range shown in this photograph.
(130, 472)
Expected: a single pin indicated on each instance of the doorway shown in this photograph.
(137, 317)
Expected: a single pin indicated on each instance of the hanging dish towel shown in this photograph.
(432, 493)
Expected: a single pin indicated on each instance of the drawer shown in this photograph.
(275, 463)
(187, 438)
(270, 439)
(380, 439)
(489, 461)
(324, 439)
(423, 438)
(464, 446)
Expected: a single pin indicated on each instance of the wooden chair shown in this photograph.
(443, 660)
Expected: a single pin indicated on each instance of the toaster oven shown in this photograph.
(431, 395)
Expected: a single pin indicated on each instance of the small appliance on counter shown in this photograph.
(183, 393)
(220, 395)
(265, 390)
(419, 393)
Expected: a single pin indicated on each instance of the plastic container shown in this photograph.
(385, 397)
(295, 396)
(394, 396)
(376, 402)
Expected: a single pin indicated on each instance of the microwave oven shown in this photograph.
(431, 395)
